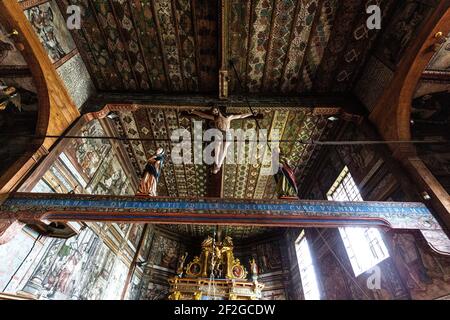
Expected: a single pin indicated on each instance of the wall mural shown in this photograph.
(335, 273)
(84, 267)
(441, 59)
(426, 274)
(155, 291)
(135, 234)
(110, 178)
(87, 154)
(9, 55)
(77, 268)
(165, 252)
(51, 29)
(431, 117)
(269, 257)
(403, 28)
(413, 270)
(161, 264)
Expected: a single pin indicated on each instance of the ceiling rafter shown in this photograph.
(249, 41)
(291, 38)
(133, 21)
(269, 44)
(195, 35)
(102, 32)
(124, 42)
(312, 31)
(177, 39)
(161, 45)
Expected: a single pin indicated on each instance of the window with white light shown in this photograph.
(365, 246)
(306, 266)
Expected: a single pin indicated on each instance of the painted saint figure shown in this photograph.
(152, 172)
(222, 122)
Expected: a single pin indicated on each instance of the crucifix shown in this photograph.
(222, 122)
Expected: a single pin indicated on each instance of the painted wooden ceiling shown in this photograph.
(150, 128)
(277, 46)
(134, 45)
(238, 233)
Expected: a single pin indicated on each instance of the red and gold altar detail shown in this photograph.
(215, 275)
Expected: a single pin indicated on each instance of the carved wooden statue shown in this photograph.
(181, 264)
(254, 268)
(151, 174)
(223, 123)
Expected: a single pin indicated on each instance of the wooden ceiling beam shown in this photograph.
(105, 40)
(346, 102)
(161, 46)
(312, 31)
(139, 42)
(223, 45)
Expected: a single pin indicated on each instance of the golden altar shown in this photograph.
(215, 275)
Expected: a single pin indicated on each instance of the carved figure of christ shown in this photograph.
(222, 123)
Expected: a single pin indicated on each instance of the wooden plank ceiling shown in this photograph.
(151, 127)
(149, 45)
(278, 46)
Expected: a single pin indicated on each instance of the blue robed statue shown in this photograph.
(151, 174)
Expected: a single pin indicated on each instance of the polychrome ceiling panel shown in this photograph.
(298, 128)
(148, 128)
(238, 233)
(289, 46)
(149, 45)
(277, 46)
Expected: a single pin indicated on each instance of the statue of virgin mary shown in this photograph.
(151, 174)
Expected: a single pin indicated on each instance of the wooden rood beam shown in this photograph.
(38, 208)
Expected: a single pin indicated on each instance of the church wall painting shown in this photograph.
(12, 258)
(431, 116)
(110, 178)
(9, 55)
(82, 267)
(403, 28)
(77, 80)
(441, 59)
(135, 234)
(425, 273)
(165, 252)
(336, 277)
(155, 291)
(273, 265)
(87, 154)
(51, 28)
(269, 257)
